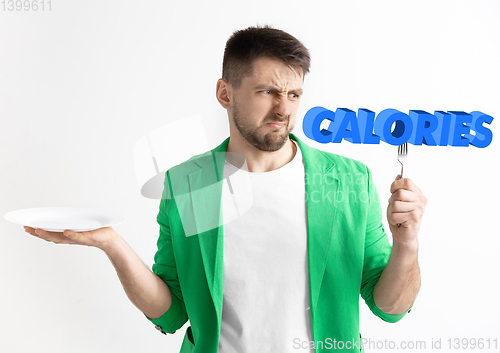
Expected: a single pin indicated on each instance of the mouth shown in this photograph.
(276, 124)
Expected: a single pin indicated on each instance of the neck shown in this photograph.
(257, 161)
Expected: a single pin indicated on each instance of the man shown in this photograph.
(269, 255)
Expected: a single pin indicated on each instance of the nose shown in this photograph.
(282, 107)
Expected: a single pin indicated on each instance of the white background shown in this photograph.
(82, 83)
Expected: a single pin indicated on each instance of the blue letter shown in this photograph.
(312, 122)
(426, 123)
(443, 129)
(458, 127)
(366, 119)
(402, 131)
(483, 134)
(348, 128)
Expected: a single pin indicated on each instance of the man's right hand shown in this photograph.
(101, 238)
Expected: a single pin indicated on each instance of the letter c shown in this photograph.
(312, 122)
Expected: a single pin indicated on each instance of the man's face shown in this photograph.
(264, 106)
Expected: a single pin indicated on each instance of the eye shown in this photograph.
(293, 95)
(266, 91)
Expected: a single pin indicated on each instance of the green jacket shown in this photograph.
(347, 248)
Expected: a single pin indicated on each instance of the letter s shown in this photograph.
(483, 134)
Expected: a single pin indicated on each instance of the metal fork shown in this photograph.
(402, 157)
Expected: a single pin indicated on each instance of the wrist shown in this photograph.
(111, 244)
(406, 247)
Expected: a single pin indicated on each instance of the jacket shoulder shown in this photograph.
(200, 160)
(343, 164)
(190, 165)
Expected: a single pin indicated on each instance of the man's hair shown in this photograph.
(247, 45)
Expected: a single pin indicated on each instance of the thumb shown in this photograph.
(72, 235)
(398, 176)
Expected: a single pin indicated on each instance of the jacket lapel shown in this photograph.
(205, 185)
(321, 190)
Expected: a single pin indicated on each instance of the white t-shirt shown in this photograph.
(266, 286)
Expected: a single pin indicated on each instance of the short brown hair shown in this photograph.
(246, 45)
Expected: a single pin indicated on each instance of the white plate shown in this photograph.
(58, 219)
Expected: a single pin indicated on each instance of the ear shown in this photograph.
(222, 93)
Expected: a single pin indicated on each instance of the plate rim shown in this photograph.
(116, 218)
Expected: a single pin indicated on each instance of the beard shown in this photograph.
(269, 142)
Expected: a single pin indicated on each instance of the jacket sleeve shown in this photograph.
(165, 268)
(377, 252)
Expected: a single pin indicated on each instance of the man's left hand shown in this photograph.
(406, 206)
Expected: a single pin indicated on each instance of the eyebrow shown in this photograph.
(267, 86)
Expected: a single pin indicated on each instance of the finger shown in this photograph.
(404, 195)
(405, 218)
(401, 207)
(405, 183)
(395, 219)
(54, 237)
(30, 230)
(79, 237)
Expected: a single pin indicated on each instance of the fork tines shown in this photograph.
(403, 149)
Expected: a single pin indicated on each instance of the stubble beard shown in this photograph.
(269, 142)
